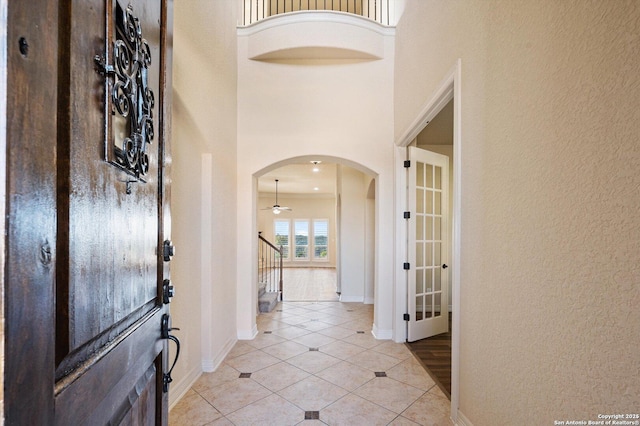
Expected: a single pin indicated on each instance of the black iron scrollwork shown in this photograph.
(130, 94)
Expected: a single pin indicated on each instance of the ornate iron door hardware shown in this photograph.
(129, 94)
(168, 250)
(165, 333)
(168, 291)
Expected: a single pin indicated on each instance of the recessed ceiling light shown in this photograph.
(315, 163)
(316, 189)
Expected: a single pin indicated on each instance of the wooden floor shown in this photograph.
(434, 354)
(309, 285)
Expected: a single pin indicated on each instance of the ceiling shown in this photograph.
(300, 179)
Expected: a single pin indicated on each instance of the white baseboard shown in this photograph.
(369, 301)
(211, 365)
(181, 387)
(248, 335)
(381, 334)
(462, 420)
(358, 299)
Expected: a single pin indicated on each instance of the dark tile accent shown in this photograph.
(315, 319)
(349, 310)
(312, 415)
(245, 375)
(278, 310)
(381, 374)
(313, 349)
(360, 332)
(268, 332)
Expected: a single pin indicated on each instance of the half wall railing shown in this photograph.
(376, 10)
(270, 266)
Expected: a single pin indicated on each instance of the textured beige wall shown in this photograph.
(204, 122)
(551, 188)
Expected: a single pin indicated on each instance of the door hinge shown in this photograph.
(407, 163)
(406, 317)
(406, 266)
(407, 215)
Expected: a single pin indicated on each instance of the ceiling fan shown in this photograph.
(276, 209)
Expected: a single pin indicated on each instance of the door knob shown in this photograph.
(445, 266)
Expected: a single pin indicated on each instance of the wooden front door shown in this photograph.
(87, 207)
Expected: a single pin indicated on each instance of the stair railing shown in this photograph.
(376, 10)
(270, 265)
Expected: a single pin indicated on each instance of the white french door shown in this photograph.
(428, 239)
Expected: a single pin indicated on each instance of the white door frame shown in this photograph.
(449, 88)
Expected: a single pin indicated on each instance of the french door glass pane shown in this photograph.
(420, 174)
(428, 195)
(429, 173)
(420, 281)
(429, 280)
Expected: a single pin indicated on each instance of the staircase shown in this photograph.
(270, 275)
(267, 301)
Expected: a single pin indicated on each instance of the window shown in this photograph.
(301, 239)
(281, 231)
(320, 239)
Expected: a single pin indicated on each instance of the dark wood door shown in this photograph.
(88, 102)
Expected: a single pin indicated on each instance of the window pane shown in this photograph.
(320, 239)
(301, 239)
(301, 252)
(281, 232)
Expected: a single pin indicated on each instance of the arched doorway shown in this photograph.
(322, 212)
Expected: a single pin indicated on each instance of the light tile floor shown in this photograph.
(315, 363)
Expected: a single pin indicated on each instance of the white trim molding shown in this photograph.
(210, 365)
(462, 420)
(248, 334)
(449, 88)
(381, 334)
(352, 299)
(182, 386)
